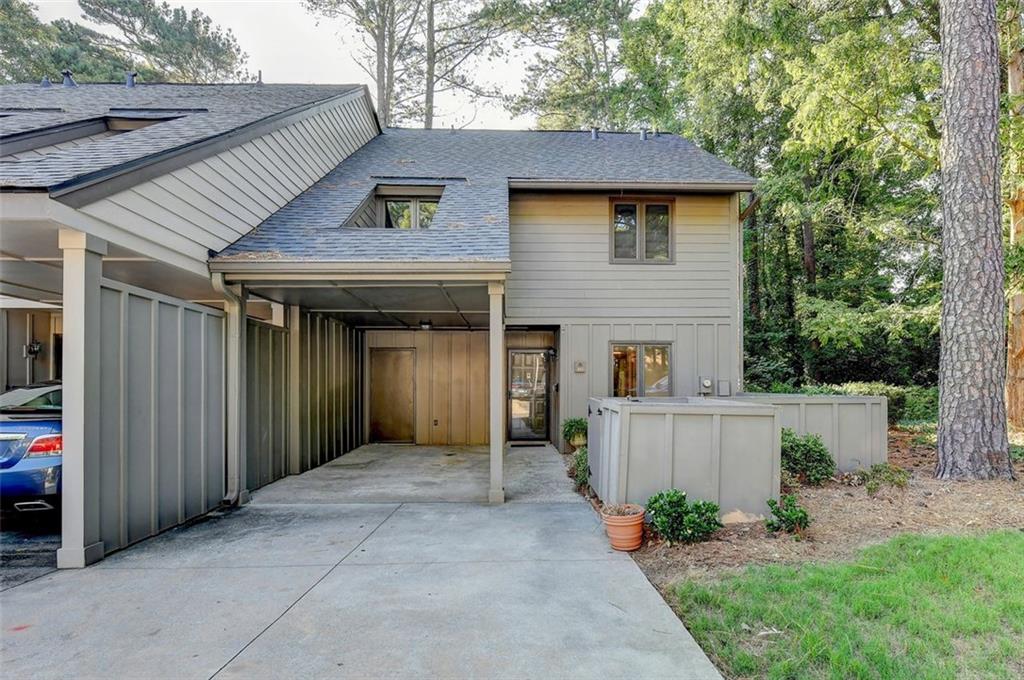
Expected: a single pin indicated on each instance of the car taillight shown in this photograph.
(47, 445)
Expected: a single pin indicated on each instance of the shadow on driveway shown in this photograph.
(28, 546)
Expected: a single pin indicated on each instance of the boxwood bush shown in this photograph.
(787, 516)
(677, 520)
(806, 457)
(581, 468)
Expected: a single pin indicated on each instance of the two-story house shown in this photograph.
(255, 279)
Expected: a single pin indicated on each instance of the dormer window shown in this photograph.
(407, 213)
(398, 206)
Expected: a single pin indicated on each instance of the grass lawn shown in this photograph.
(914, 607)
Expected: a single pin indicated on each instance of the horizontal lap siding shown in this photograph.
(560, 266)
(161, 413)
(561, 275)
(211, 203)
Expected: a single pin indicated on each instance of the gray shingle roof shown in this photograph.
(227, 107)
(475, 167)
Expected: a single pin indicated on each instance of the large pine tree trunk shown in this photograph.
(972, 441)
(1015, 346)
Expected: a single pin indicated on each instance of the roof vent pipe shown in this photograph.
(643, 134)
(129, 78)
(68, 80)
(45, 82)
(593, 133)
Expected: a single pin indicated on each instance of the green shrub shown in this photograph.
(572, 427)
(581, 468)
(787, 516)
(676, 520)
(883, 474)
(806, 457)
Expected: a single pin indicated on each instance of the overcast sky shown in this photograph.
(291, 46)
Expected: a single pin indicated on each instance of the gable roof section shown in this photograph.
(476, 168)
(199, 116)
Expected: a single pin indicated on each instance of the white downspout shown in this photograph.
(234, 393)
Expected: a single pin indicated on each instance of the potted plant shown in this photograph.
(574, 431)
(624, 524)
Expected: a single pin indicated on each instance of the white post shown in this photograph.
(496, 343)
(294, 389)
(234, 370)
(80, 468)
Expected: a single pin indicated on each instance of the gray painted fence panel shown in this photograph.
(717, 450)
(330, 395)
(161, 412)
(266, 404)
(855, 429)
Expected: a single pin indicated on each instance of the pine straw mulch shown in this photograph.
(845, 519)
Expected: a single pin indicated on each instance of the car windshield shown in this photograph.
(32, 398)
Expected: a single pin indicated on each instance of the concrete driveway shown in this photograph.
(358, 590)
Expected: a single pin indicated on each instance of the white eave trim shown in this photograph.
(608, 185)
(304, 270)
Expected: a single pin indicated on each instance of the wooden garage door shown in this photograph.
(392, 386)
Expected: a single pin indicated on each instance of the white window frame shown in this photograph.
(414, 202)
(641, 229)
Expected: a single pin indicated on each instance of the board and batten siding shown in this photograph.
(209, 204)
(562, 274)
(266, 403)
(330, 389)
(450, 396)
(161, 404)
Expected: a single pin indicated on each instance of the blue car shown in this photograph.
(31, 445)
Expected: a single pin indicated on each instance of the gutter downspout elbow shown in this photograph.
(234, 393)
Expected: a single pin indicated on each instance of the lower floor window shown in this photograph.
(641, 370)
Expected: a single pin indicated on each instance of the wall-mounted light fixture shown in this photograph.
(32, 349)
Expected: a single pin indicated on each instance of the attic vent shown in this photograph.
(593, 133)
(129, 79)
(69, 81)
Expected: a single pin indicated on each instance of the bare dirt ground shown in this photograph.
(846, 519)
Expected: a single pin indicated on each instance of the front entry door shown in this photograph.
(527, 394)
(392, 376)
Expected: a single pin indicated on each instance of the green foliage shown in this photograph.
(580, 468)
(906, 403)
(572, 427)
(806, 457)
(677, 520)
(787, 516)
(913, 607)
(160, 42)
(883, 474)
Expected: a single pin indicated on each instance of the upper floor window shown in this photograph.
(407, 213)
(641, 231)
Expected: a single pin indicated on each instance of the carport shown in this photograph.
(381, 353)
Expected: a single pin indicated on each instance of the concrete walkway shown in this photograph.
(367, 589)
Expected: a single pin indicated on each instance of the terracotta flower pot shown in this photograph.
(625, 526)
(579, 439)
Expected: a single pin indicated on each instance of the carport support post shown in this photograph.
(80, 470)
(496, 345)
(235, 298)
(294, 389)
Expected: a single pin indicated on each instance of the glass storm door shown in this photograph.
(527, 394)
